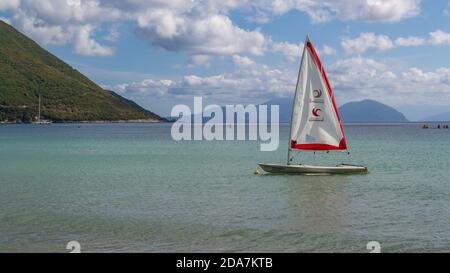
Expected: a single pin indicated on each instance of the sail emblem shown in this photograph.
(317, 96)
(316, 112)
(318, 93)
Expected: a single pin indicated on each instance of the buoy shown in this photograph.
(257, 172)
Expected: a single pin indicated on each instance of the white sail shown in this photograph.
(316, 124)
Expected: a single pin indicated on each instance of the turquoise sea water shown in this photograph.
(130, 188)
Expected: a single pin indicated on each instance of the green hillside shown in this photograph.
(27, 70)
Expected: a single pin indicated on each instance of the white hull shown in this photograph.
(309, 169)
(42, 123)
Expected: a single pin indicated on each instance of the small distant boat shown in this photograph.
(39, 120)
(315, 123)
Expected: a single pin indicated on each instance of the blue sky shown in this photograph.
(160, 53)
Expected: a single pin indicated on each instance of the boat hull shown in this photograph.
(42, 123)
(310, 169)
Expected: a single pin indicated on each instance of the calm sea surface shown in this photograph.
(130, 188)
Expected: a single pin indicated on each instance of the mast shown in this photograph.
(39, 113)
(293, 103)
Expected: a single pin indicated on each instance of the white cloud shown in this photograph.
(9, 4)
(249, 81)
(366, 41)
(327, 51)
(200, 61)
(204, 29)
(214, 34)
(145, 88)
(293, 52)
(410, 41)
(439, 77)
(196, 27)
(361, 78)
(79, 36)
(85, 45)
(377, 10)
(70, 11)
(39, 30)
(346, 10)
(439, 37)
(417, 75)
(65, 22)
(242, 61)
(289, 50)
(352, 79)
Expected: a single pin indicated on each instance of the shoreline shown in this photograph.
(92, 122)
(168, 121)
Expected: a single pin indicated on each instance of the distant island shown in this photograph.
(27, 71)
(366, 111)
(370, 111)
(440, 117)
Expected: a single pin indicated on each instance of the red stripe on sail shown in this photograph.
(343, 143)
(319, 147)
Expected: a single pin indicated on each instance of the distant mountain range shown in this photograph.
(370, 111)
(440, 117)
(27, 71)
(366, 111)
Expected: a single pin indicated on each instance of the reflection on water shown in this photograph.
(317, 202)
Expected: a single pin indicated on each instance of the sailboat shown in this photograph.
(315, 123)
(39, 120)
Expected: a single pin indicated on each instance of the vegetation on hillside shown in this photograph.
(27, 71)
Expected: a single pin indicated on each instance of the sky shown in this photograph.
(164, 52)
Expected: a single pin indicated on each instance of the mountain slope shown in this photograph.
(285, 107)
(370, 111)
(27, 70)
